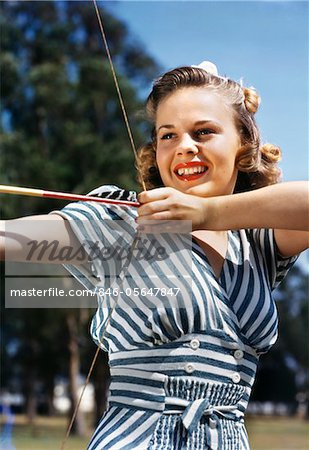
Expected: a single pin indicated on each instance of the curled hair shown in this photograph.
(256, 163)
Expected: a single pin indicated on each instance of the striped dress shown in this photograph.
(183, 345)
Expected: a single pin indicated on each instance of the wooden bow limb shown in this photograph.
(15, 190)
(136, 239)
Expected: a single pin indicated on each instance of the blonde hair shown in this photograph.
(256, 163)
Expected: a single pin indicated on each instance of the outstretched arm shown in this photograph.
(283, 207)
(35, 238)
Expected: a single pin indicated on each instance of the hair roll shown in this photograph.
(251, 99)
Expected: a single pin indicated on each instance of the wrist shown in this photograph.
(210, 215)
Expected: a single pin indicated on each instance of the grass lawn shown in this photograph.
(46, 434)
(264, 433)
(278, 433)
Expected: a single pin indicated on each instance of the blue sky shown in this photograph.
(263, 42)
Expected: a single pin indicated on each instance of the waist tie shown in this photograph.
(190, 398)
(193, 412)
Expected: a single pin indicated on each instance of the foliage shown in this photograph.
(284, 371)
(62, 126)
(61, 129)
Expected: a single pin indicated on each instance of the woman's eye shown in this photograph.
(167, 136)
(204, 131)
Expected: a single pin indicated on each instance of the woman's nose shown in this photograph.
(187, 145)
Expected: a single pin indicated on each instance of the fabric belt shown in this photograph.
(190, 398)
(193, 412)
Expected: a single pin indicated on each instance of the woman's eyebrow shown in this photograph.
(166, 126)
(199, 122)
(207, 121)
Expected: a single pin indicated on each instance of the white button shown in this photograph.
(189, 368)
(238, 354)
(236, 377)
(212, 423)
(194, 344)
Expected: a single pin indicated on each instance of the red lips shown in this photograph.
(193, 176)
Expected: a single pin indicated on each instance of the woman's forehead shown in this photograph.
(193, 103)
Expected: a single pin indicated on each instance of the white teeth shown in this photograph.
(191, 170)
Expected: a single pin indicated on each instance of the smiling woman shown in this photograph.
(189, 143)
(184, 331)
(201, 113)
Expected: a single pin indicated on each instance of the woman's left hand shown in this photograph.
(166, 204)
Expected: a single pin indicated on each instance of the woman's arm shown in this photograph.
(283, 207)
(44, 239)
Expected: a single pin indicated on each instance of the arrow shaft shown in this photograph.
(15, 190)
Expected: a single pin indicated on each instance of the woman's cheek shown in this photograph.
(163, 163)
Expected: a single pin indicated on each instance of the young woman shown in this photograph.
(185, 327)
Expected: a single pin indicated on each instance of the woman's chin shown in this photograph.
(191, 187)
(200, 190)
(208, 189)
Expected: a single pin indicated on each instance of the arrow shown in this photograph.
(15, 190)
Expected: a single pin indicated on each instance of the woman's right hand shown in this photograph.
(169, 204)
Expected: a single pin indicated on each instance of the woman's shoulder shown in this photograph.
(263, 248)
(96, 210)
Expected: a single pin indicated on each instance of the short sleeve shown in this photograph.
(105, 232)
(277, 266)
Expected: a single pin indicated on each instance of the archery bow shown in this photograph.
(68, 196)
(118, 90)
(136, 239)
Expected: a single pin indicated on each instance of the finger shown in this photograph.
(153, 194)
(155, 217)
(151, 208)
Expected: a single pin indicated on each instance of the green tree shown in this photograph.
(62, 125)
(285, 370)
(62, 129)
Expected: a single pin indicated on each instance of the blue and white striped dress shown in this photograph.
(182, 367)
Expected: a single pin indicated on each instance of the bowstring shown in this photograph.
(135, 241)
(125, 116)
